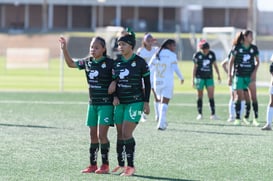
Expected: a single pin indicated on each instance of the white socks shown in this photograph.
(162, 122)
(231, 108)
(269, 115)
(243, 105)
(156, 108)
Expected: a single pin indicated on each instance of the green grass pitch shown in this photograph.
(43, 137)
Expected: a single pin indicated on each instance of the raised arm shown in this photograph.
(70, 63)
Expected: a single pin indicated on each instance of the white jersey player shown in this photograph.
(269, 111)
(146, 51)
(162, 67)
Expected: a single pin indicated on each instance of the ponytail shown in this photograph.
(164, 45)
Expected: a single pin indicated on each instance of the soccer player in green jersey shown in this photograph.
(98, 69)
(130, 99)
(244, 61)
(204, 61)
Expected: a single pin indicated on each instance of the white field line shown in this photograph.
(86, 102)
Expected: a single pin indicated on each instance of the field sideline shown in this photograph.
(44, 138)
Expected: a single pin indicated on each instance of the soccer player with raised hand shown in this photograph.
(98, 69)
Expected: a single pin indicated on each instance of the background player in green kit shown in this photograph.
(244, 62)
(98, 69)
(204, 61)
(130, 100)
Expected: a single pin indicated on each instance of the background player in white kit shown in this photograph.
(146, 51)
(162, 67)
(269, 112)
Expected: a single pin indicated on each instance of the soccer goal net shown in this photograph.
(220, 39)
(110, 34)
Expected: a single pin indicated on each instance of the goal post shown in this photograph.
(220, 39)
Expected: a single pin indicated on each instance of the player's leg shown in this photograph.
(210, 91)
(199, 85)
(166, 95)
(253, 95)
(118, 120)
(245, 105)
(269, 112)
(231, 106)
(131, 119)
(105, 119)
(156, 106)
(91, 122)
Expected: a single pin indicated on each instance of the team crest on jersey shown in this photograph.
(133, 64)
(240, 50)
(118, 64)
(210, 56)
(251, 50)
(103, 65)
(200, 57)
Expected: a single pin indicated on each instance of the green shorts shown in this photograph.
(240, 83)
(201, 83)
(129, 112)
(102, 115)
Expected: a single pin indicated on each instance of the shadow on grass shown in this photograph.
(215, 124)
(160, 178)
(27, 126)
(214, 132)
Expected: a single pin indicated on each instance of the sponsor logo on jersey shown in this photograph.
(123, 73)
(93, 74)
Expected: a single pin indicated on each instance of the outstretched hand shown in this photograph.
(62, 41)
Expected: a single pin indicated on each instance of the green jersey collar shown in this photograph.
(131, 58)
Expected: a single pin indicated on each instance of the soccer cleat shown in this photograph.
(162, 129)
(245, 120)
(199, 117)
(267, 127)
(90, 169)
(231, 119)
(118, 170)
(214, 117)
(143, 117)
(129, 171)
(104, 168)
(237, 122)
(255, 122)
